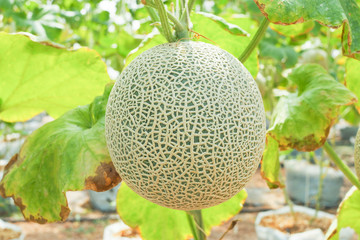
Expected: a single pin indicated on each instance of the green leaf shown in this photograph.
(270, 164)
(136, 211)
(351, 30)
(332, 13)
(153, 39)
(38, 77)
(302, 120)
(293, 30)
(348, 214)
(251, 7)
(353, 78)
(213, 33)
(68, 154)
(350, 114)
(231, 28)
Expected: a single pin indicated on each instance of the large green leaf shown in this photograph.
(156, 222)
(302, 120)
(353, 78)
(68, 154)
(348, 214)
(211, 32)
(270, 164)
(231, 28)
(39, 76)
(332, 13)
(153, 39)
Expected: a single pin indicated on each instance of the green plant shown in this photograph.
(70, 153)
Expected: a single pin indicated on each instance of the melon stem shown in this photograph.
(197, 216)
(341, 165)
(180, 30)
(154, 17)
(191, 5)
(164, 21)
(192, 225)
(185, 18)
(255, 40)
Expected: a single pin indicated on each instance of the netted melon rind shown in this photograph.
(357, 154)
(185, 125)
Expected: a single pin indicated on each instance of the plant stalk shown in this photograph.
(154, 17)
(192, 226)
(255, 40)
(180, 29)
(178, 9)
(191, 5)
(341, 165)
(164, 21)
(320, 188)
(185, 17)
(287, 199)
(200, 232)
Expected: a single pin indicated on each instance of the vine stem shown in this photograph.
(180, 30)
(164, 21)
(200, 232)
(341, 165)
(192, 226)
(255, 40)
(154, 17)
(191, 5)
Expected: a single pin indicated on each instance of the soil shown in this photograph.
(8, 234)
(89, 230)
(244, 228)
(300, 222)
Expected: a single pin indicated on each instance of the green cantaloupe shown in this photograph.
(185, 125)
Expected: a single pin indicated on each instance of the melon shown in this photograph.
(185, 125)
(357, 154)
